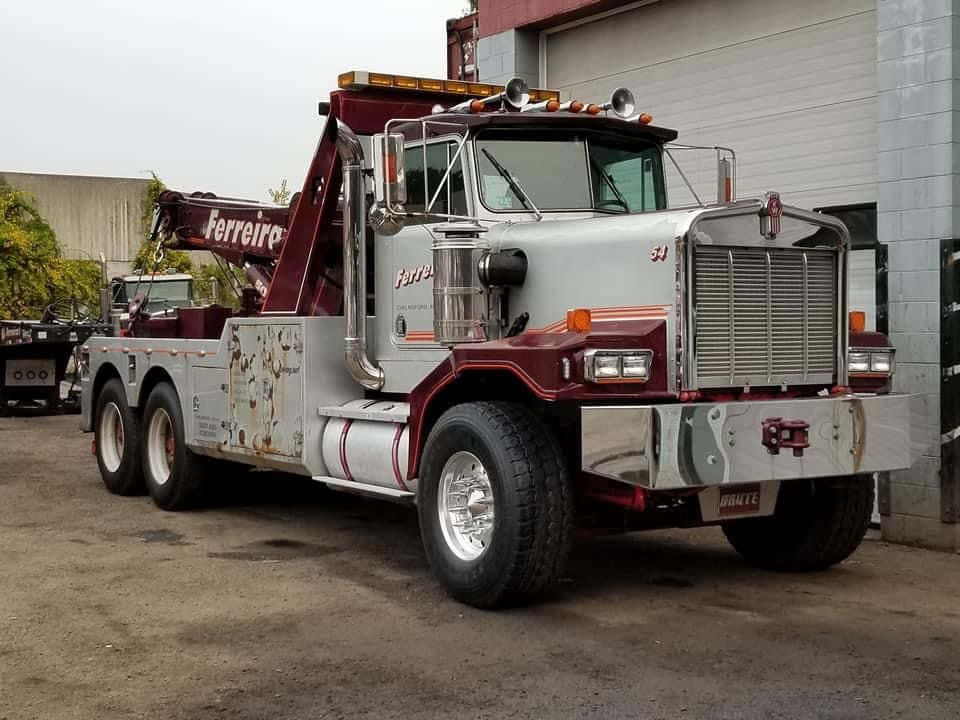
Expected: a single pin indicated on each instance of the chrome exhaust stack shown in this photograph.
(360, 367)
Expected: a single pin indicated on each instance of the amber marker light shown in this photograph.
(645, 118)
(579, 320)
(552, 106)
(575, 106)
(858, 321)
(476, 106)
(593, 109)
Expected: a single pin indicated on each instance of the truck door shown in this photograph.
(412, 278)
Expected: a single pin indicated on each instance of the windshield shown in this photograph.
(163, 293)
(569, 172)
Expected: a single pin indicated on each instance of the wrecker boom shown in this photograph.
(293, 255)
(246, 233)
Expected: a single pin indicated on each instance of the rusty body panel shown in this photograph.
(266, 393)
(252, 396)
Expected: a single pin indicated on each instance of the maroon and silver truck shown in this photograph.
(480, 303)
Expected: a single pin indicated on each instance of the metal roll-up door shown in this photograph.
(791, 86)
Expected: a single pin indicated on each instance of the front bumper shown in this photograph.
(704, 444)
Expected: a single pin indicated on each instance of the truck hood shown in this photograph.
(617, 261)
(629, 263)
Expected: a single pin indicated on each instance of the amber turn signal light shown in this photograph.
(579, 320)
(858, 321)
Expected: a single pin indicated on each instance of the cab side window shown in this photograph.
(453, 197)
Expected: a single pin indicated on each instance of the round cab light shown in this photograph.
(593, 109)
(476, 106)
(575, 106)
(645, 118)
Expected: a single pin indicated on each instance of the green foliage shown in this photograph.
(203, 275)
(33, 271)
(280, 196)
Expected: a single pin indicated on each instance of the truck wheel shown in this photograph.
(495, 504)
(174, 474)
(117, 432)
(815, 525)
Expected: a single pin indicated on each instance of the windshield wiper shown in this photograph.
(621, 200)
(514, 185)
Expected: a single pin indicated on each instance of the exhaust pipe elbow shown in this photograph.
(361, 368)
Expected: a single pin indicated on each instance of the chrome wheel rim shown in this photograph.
(161, 447)
(465, 505)
(111, 437)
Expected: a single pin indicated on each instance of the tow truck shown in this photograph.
(480, 303)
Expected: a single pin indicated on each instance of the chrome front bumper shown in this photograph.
(704, 444)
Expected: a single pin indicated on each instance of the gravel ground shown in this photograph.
(285, 601)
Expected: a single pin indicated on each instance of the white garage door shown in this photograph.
(790, 85)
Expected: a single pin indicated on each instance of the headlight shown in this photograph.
(617, 365)
(862, 360)
(881, 362)
(858, 362)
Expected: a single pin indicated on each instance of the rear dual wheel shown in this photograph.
(117, 433)
(173, 473)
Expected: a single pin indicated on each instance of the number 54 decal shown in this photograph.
(658, 253)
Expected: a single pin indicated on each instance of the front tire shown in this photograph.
(173, 473)
(117, 433)
(816, 524)
(495, 504)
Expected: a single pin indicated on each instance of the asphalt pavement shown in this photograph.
(284, 601)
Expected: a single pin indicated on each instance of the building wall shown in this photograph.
(501, 15)
(918, 68)
(790, 86)
(90, 215)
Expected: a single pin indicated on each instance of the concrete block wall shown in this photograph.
(508, 54)
(90, 215)
(918, 204)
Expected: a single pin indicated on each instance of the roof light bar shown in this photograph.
(360, 79)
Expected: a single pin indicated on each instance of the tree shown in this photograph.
(33, 271)
(280, 196)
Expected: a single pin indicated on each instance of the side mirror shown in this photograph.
(726, 175)
(389, 184)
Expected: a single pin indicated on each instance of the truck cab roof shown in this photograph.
(550, 120)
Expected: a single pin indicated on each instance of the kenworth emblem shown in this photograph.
(770, 215)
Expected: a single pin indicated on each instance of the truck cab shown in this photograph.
(565, 169)
(167, 292)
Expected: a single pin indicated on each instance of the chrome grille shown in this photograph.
(764, 316)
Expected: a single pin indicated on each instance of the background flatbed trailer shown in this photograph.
(34, 357)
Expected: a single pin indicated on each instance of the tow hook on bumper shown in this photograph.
(792, 434)
(686, 445)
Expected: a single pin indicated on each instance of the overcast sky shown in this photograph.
(210, 94)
